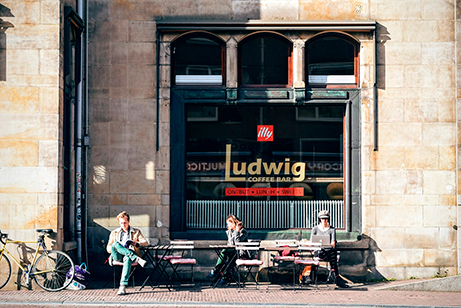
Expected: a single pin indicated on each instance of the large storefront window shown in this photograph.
(246, 160)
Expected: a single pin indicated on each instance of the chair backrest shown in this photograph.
(254, 246)
(285, 243)
(181, 247)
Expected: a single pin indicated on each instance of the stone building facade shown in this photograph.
(401, 138)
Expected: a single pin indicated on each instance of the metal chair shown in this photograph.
(246, 264)
(116, 265)
(307, 259)
(281, 260)
(181, 256)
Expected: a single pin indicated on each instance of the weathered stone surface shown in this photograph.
(391, 216)
(19, 99)
(131, 181)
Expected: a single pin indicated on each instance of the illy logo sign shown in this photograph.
(265, 132)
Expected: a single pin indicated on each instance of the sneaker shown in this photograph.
(111, 260)
(212, 274)
(141, 262)
(121, 290)
(223, 282)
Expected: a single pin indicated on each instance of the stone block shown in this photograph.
(391, 110)
(162, 185)
(141, 135)
(420, 31)
(132, 181)
(118, 109)
(141, 76)
(385, 200)
(140, 156)
(446, 30)
(403, 53)
(162, 158)
(148, 199)
(118, 134)
(119, 31)
(421, 110)
(141, 53)
(439, 216)
(420, 199)
(48, 153)
(118, 76)
(29, 126)
(339, 10)
(397, 215)
(145, 92)
(440, 257)
(246, 9)
(164, 134)
(442, 134)
(447, 158)
(140, 216)
(421, 158)
(18, 198)
(100, 10)
(369, 182)
(439, 182)
(390, 182)
(19, 99)
(118, 52)
(414, 183)
(22, 62)
(400, 257)
(99, 53)
(49, 100)
(34, 37)
(49, 12)
(142, 31)
(141, 110)
(383, 10)
(99, 134)
(421, 237)
(18, 153)
(400, 134)
(437, 10)
(99, 76)
(118, 158)
(388, 158)
(28, 179)
(368, 217)
(273, 10)
(389, 238)
(447, 238)
(394, 76)
(146, 11)
(438, 53)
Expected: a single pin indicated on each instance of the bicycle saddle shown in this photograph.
(47, 231)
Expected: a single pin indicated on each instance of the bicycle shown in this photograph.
(52, 270)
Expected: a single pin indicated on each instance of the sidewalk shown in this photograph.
(360, 295)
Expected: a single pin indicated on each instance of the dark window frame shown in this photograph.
(278, 36)
(198, 34)
(342, 36)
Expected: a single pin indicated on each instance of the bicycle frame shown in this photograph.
(36, 254)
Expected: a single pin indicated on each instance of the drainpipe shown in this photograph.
(78, 144)
(375, 92)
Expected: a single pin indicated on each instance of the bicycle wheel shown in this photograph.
(50, 270)
(5, 271)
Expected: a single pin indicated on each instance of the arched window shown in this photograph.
(198, 59)
(332, 59)
(265, 59)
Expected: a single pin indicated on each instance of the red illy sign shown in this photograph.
(265, 133)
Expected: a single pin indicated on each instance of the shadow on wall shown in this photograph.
(4, 25)
(381, 38)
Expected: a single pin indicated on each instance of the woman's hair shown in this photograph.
(235, 220)
(123, 215)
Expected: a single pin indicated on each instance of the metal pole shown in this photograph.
(78, 145)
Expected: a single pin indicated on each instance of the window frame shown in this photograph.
(205, 35)
(276, 35)
(343, 36)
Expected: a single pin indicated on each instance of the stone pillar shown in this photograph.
(232, 63)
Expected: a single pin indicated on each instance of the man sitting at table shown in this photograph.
(328, 253)
(123, 246)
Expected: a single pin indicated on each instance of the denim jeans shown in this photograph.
(120, 253)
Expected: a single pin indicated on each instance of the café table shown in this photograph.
(228, 263)
(152, 255)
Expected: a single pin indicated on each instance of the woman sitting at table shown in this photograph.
(235, 233)
(328, 253)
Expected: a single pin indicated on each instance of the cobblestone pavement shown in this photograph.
(360, 295)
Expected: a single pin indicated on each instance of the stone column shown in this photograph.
(232, 63)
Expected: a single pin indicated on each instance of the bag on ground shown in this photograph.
(81, 277)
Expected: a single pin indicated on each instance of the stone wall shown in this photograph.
(30, 107)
